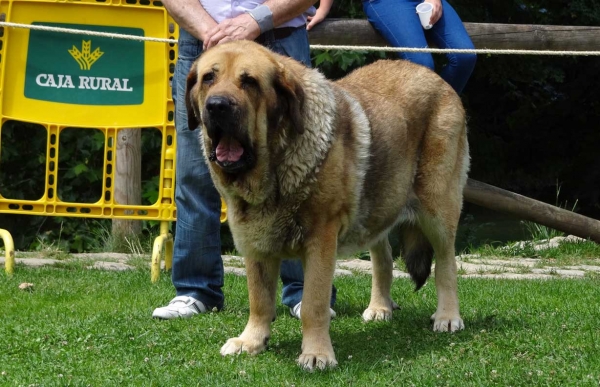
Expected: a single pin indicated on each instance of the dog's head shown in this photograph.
(242, 96)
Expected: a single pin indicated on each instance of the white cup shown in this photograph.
(424, 10)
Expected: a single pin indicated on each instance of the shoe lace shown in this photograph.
(179, 300)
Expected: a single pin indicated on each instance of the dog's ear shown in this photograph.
(290, 92)
(191, 103)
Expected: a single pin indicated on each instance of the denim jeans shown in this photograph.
(197, 264)
(398, 22)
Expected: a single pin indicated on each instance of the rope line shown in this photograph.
(317, 46)
(87, 32)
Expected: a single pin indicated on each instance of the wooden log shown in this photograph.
(358, 32)
(128, 181)
(534, 37)
(497, 199)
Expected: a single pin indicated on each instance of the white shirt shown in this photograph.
(227, 9)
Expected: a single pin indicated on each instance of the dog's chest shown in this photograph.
(266, 231)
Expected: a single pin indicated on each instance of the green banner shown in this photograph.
(84, 69)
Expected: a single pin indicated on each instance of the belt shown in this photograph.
(276, 34)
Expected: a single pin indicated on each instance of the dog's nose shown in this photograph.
(218, 105)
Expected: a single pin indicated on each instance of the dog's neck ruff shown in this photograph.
(305, 153)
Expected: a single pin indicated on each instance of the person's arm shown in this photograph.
(191, 16)
(286, 10)
(245, 27)
(322, 11)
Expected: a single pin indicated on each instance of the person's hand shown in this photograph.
(316, 19)
(436, 14)
(239, 28)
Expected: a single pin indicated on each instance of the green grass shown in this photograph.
(90, 327)
(567, 253)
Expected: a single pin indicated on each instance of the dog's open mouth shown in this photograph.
(229, 150)
(230, 154)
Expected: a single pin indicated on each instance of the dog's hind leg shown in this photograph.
(441, 234)
(262, 289)
(381, 305)
(439, 186)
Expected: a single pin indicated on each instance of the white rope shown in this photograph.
(317, 46)
(87, 32)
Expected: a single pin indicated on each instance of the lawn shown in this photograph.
(91, 327)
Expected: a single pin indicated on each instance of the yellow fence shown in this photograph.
(62, 80)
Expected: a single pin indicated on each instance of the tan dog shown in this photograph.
(311, 169)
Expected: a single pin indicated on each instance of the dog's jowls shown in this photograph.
(312, 169)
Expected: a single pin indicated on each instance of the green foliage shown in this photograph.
(150, 190)
(539, 232)
(351, 9)
(22, 160)
(79, 180)
(337, 63)
(151, 148)
(80, 165)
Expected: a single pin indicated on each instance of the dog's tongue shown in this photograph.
(229, 150)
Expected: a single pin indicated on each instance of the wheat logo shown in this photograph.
(85, 58)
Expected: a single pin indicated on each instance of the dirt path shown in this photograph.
(469, 266)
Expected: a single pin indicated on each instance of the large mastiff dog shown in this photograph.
(311, 169)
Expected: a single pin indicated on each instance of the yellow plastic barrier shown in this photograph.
(60, 80)
(9, 248)
(223, 211)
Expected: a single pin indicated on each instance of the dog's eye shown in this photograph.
(248, 81)
(208, 78)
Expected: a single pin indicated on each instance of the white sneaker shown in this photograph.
(295, 311)
(180, 306)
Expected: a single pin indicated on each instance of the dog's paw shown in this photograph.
(237, 346)
(321, 361)
(379, 313)
(447, 323)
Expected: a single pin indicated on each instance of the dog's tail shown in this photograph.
(417, 253)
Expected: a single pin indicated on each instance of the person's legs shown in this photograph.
(449, 32)
(197, 263)
(292, 276)
(295, 46)
(398, 22)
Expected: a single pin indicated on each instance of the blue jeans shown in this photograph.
(398, 22)
(197, 263)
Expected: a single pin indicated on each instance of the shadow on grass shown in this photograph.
(408, 335)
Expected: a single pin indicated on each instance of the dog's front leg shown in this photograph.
(262, 288)
(319, 266)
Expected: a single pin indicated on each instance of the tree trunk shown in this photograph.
(358, 32)
(128, 182)
(497, 199)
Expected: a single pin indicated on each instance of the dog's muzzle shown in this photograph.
(224, 127)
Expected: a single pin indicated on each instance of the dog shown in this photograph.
(313, 169)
